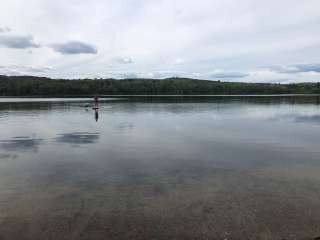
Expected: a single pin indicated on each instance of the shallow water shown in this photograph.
(160, 168)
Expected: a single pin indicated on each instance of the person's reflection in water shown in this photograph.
(96, 108)
(96, 115)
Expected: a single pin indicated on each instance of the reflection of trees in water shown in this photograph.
(23, 106)
(78, 138)
(21, 144)
(166, 103)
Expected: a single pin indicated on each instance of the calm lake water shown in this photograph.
(160, 168)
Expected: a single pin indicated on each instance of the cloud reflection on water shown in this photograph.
(7, 156)
(25, 143)
(78, 138)
(21, 144)
(308, 119)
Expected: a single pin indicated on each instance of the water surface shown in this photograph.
(160, 168)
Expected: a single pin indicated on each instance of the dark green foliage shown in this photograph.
(39, 86)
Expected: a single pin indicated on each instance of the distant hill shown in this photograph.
(39, 86)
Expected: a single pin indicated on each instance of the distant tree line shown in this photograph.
(40, 86)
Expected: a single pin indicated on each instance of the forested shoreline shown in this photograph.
(40, 86)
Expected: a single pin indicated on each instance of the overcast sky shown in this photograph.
(230, 40)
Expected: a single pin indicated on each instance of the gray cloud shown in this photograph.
(307, 119)
(38, 69)
(74, 47)
(24, 70)
(128, 75)
(309, 67)
(18, 42)
(5, 29)
(228, 75)
(155, 75)
(297, 68)
(169, 74)
(279, 80)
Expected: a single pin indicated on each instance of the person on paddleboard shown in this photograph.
(96, 101)
(96, 107)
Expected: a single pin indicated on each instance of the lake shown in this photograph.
(160, 168)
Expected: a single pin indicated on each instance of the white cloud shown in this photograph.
(123, 60)
(274, 76)
(178, 61)
(222, 74)
(181, 37)
(25, 70)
